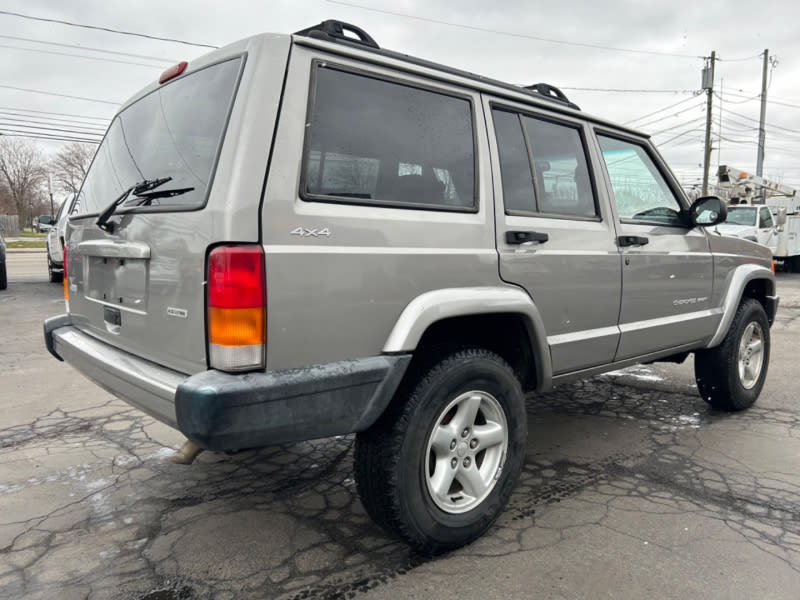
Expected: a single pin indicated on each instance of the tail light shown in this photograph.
(64, 278)
(237, 309)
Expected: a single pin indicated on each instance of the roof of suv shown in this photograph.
(335, 32)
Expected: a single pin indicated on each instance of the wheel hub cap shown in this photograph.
(466, 450)
(751, 355)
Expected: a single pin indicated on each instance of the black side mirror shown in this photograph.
(707, 211)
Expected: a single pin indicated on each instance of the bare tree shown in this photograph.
(22, 169)
(69, 166)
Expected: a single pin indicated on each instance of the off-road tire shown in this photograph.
(396, 459)
(730, 376)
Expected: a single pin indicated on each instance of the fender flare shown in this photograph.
(737, 282)
(431, 307)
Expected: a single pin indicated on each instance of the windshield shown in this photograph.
(176, 131)
(741, 215)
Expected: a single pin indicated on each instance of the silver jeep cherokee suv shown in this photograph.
(299, 236)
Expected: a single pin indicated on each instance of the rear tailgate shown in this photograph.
(201, 143)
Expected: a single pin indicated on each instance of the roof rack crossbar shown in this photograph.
(333, 30)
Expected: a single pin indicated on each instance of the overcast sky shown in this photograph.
(652, 49)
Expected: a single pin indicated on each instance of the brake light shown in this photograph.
(173, 72)
(236, 304)
(64, 277)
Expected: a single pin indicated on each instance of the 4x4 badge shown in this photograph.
(302, 231)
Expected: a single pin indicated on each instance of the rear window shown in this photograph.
(375, 141)
(175, 131)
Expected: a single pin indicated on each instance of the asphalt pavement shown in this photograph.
(632, 488)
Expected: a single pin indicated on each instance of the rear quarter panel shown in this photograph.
(337, 297)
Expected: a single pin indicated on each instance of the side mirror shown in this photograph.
(707, 211)
(780, 218)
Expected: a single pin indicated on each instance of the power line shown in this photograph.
(11, 87)
(739, 59)
(100, 58)
(108, 29)
(89, 48)
(56, 129)
(669, 116)
(767, 124)
(12, 133)
(46, 112)
(734, 101)
(33, 118)
(655, 112)
(673, 127)
(511, 34)
(625, 90)
(87, 126)
(687, 132)
(769, 100)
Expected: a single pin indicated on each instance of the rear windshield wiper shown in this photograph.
(147, 197)
(142, 186)
(140, 191)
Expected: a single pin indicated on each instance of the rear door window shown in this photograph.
(375, 141)
(543, 167)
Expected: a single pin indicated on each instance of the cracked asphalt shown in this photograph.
(632, 488)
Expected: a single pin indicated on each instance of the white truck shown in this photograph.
(763, 211)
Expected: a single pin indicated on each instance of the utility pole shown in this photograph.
(708, 85)
(762, 121)
(50, 191)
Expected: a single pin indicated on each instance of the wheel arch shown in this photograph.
(746, 281)
(501, 319)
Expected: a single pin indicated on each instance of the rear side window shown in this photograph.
(380, 142)
(543, 166)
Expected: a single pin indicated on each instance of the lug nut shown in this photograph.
(454, 463)
(465, 433)
(467, 463)
(453, 445)
(473, 443)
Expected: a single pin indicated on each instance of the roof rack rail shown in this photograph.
(551, 92)
(333, 30)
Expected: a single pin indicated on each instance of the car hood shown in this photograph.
(735, 230)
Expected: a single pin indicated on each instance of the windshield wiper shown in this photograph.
(147, 197)
(137, 189)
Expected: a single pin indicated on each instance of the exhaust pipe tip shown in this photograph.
(187, 453)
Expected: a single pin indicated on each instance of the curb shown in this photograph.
(26, 250)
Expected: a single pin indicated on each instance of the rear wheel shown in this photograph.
(439, 466)
(731, 375)
(3, 278)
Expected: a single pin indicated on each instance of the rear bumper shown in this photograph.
(223, 411)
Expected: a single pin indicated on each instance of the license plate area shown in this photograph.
(118, 281)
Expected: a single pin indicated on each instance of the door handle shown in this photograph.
(522, 237)
(632, 240)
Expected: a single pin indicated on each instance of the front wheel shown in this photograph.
(3, 277)
(730, 376)
(439, 466)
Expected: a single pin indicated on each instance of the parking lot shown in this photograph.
(632, 488)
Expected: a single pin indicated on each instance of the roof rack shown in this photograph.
(332, 31)
(551, 92)
(337, 31)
